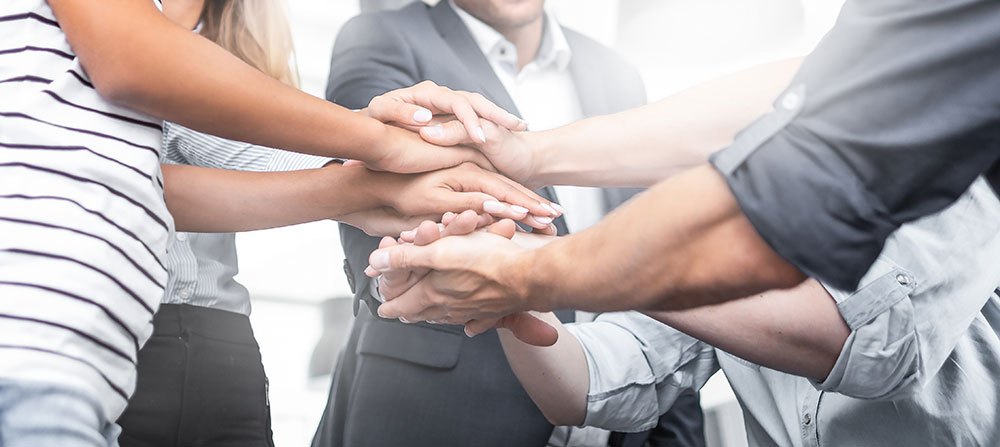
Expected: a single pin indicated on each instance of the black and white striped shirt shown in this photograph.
(83, 225)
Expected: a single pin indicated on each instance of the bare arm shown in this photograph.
(241, 201)
(798, 331)
(138, 58)
(662, 138)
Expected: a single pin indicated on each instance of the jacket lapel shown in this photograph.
(454, 32)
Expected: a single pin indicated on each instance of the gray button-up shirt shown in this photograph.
(202, 265)
(918, 368)
(891, 118)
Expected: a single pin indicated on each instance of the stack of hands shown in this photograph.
(466, 189)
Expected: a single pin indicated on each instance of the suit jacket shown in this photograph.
(422, 384)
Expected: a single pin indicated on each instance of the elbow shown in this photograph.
(559, 417)
(117, 84)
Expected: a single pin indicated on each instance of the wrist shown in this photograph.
(529, 282)
(542, 149)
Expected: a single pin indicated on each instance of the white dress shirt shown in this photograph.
(546, 96)
(919, 367)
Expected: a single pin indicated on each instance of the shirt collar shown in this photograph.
(554, 50)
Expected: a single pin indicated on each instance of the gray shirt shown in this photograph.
(202, 266)
(917, 369)
(891, 118)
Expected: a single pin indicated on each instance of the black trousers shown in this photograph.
(201, 383)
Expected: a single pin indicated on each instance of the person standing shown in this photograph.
(418, 384)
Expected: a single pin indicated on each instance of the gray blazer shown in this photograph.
(422, 384)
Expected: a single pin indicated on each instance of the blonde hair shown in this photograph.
(256, 31)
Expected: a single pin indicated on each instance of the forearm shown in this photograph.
(642, 146)
(138, 58)
(798, 331)
(556, 377)
(214, 200)
(682, 244)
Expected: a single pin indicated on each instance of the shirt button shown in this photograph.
(902, 279)
(791, 101)
(182, 237)
(807, 419)
(185, 294)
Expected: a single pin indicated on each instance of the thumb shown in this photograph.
(402, 257)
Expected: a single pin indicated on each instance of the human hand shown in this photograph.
(511, 152)
(413, 107)
(462, 188)
(524, 326)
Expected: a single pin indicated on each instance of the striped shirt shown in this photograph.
(202, 266)
(83, 224)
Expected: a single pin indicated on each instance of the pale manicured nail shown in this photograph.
(379, 312)
(514, 117)
(408, 234)
(549, 209)
(559, 208)
(481, 134)
(519, 209)
(369, 271)
(422, 116)
(404, 320)
(493, 207)
(542, 220)
(441, 227)
(380, 260)
(434, 131)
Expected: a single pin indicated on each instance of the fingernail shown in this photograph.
(549, 209)
(514, 117)
(408, 234)
(441, 227)
(434, 131)
(380, 260)
(469, 333)
(542, 220)
(369, 271)
(404, 320)
(422, 116)
(379, 312)
(559, 208)
(481, 134)
(519, 209)
(493, 207)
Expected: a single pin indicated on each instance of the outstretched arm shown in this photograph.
(138, 58)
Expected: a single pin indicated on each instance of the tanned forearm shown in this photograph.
(243, 201)
(684, 243)
(660, 139)
(798, 331)
(137, 57)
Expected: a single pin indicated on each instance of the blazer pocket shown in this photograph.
(416, 343)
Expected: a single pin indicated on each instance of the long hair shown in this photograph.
(256, 31)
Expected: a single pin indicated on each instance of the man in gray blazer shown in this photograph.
(422, 384)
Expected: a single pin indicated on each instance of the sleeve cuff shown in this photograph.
(294, 161)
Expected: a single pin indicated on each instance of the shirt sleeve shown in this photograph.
(638, 366)
(891, 118)
(186, 146)
(918, 300)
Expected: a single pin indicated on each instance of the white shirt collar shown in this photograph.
(554, 50)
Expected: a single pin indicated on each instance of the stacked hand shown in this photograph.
(449, 171)
(457, 279)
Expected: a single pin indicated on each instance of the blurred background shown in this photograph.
(295, 274)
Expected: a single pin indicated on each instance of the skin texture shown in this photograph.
(138, 58)
(798, 331)
(377, 202)
(698, 250)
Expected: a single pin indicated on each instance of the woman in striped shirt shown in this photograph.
(83, 222)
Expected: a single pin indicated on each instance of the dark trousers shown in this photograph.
(201, 383)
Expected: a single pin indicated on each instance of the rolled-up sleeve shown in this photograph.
(638, 366)
(918, 299)
(891, 118)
